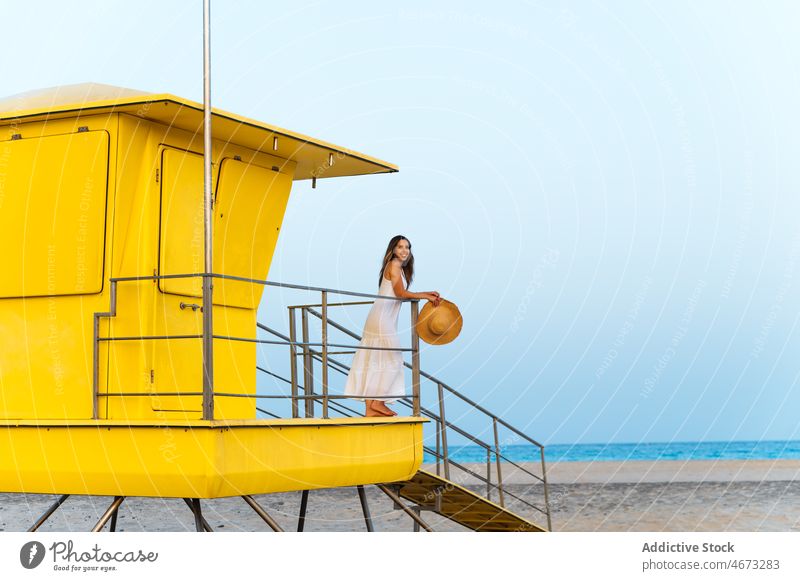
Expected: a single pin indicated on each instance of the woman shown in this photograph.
(379, 373)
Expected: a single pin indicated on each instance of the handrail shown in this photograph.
(225, 394)
(248, 340)
(154, 277)
(352, 303)
(209, 392)
(256, 281)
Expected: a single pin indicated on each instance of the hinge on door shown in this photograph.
(157, 172)
(152, 376)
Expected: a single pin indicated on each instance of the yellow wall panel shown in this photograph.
(250, 204)
(52, 212)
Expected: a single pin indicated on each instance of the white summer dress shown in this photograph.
(376, 373)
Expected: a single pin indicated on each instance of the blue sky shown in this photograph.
(607, 190)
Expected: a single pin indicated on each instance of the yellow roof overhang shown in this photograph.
(311, 155)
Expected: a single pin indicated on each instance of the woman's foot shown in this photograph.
(372, 413)
(378, 408)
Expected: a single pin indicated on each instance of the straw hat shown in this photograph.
(439, 325)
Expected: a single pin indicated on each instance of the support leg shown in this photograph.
(198, 513)
(263, 514)
(417, 519)
(301, 521)
(107, 514)
(362, 496)
(113, 526)
(48, 513)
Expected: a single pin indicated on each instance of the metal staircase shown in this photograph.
(436, 491)
(431, 492)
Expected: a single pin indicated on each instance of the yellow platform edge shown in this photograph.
(205, 459)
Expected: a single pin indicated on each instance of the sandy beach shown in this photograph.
(729, 495)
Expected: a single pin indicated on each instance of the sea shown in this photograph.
(740, 450)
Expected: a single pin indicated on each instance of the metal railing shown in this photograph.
(444, 461)
(305, 349)
(208, 390)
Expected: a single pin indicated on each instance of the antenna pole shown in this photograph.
(208, 328)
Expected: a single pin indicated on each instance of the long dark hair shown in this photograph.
(408, 267)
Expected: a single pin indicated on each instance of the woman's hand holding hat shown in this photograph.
(433, 297)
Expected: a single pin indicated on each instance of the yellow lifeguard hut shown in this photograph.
(102, 387)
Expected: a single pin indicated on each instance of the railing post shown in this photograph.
(112, 312)
(438, 449)
(96, 367)
(293, 364)
(497, 460)
(208, 327)
(308, 367)
(415, 356)
(443, 430)
(208, 350)
(488, 474)
(324, 354)
(546, 496)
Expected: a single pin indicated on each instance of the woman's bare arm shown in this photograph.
(397, 286)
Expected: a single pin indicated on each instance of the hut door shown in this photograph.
(178, 362)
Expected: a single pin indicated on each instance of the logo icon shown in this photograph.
(31, 554)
